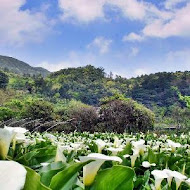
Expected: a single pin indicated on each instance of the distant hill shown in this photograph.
(89, 85)
(20, 67)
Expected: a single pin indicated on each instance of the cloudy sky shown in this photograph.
(127, 37)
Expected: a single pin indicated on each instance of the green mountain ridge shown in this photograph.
(19, 67)
(90, 84)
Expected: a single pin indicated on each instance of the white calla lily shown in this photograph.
(114, 150)
(101, 144)
(147, 164)
(12, 175)
(159, 175)
(188, 181)
(134, 157)
(117, 142)
(178, 178)
(91, 169)
(139, 146)
(173, 145)
(59, 153)
(6, 136)
(19, 134)
(170, 176)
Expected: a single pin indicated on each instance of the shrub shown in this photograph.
(39, 109)
(85, 118)
(125, 115)
(6, 113)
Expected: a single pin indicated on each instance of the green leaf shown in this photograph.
(33, 181)
(152, 157)
(65, 179)
(50, 170)
(115, 178)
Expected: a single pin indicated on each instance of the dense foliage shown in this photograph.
(126, 115)
(3, 80)
(93, 161)
(161, 92)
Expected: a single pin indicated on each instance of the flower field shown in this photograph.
(98, 161)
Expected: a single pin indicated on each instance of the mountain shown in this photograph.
(19, 67)
(89, 85)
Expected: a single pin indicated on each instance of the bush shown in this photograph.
(39, 109)
(125, 115)
(6, 113)
(64, 108)
(85, 118)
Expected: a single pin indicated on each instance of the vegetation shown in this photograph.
(72, 91)
(3, 80)
(93, 161)
(20, 67)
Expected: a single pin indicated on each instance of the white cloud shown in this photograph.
(82, 10)
(158, 22)
(133, 37)
(133, 9)
(101, 43)
(178, 25)
(89, 10)
(20, 26)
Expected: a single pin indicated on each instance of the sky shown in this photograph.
(126, 37)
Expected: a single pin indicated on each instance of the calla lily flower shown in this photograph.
(188, 181)
(91, 169)
(139, 146)
(59, 153)
(159, 175)
(12, 175)
(170, 176)
(173, 145)
(117, 142)
(19, 134)
(6, 136)
(134, 157)
(114, 150)
(147, 164)
(76, 146)
(101, 144)
(178, 178)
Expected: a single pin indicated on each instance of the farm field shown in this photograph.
(101, 161)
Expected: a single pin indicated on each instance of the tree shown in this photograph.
(125, 115)
(39, 109)
(4, 79)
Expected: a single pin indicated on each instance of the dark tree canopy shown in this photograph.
(4, 79)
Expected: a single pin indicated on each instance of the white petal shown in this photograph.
(12, 175)
(101, 144)
(59, 154)
(91, 169)
(16, 129)
(6, 137)
(146, 164)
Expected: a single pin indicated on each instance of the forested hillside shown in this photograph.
(20, 67)
(90, 84)
(166, 94)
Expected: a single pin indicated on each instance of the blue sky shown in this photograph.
(127, 37)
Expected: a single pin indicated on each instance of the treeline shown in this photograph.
(89, 85)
